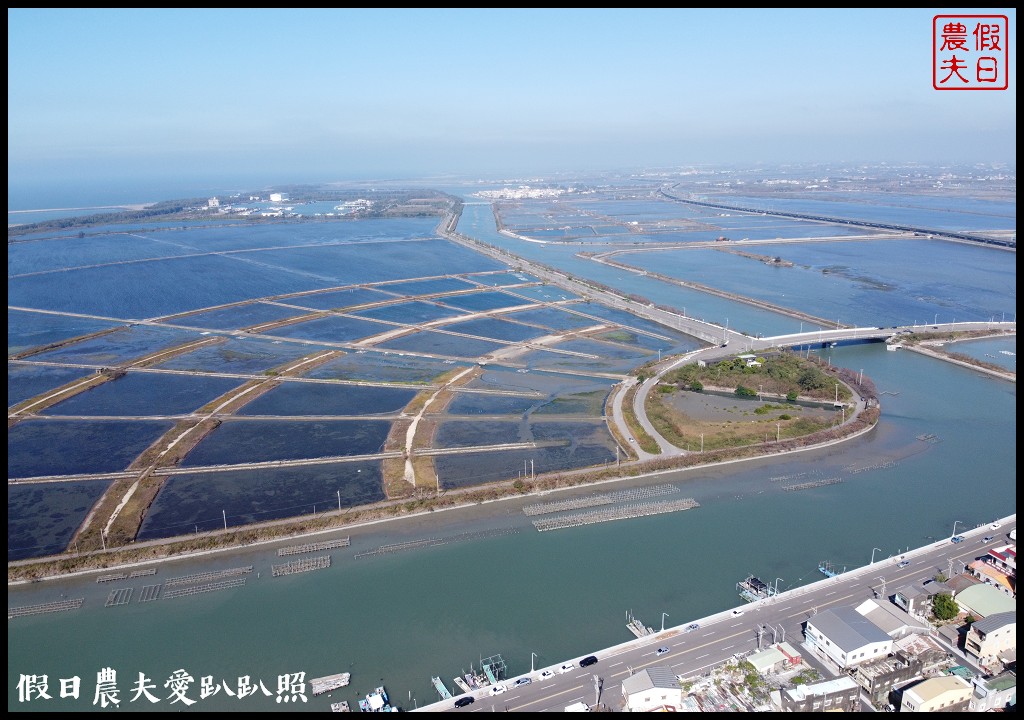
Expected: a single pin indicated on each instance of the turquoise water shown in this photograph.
(999, 351)
(410, 615)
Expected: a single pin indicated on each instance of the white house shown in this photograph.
(652, 689)
(845, 637)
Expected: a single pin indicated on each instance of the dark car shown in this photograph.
(464, 701)
(588, 660)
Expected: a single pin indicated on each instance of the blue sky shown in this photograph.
(260, 96)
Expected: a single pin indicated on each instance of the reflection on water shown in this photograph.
(241, 442)
(41, 519)
(296, 398)
(145, 394)
(204, 500)
(42, 447)
(997, 351)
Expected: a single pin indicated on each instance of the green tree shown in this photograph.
(792, 395)
(944, 607)
(744, 391)
(697, 386)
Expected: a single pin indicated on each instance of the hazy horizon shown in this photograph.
(206, 98)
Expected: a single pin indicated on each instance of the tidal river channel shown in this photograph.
(498, 586)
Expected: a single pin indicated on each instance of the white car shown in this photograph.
(498, 689)
(737, 612)
(546, 674)
(568, 667)
(995, 526)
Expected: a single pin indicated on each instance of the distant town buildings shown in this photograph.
(278, 197)
(523, 192)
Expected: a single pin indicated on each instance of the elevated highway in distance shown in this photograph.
(927, 232)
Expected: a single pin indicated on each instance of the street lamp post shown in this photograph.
(663, 616)
(873, 554)
(955, 523)
(532, 656)
(776, 592)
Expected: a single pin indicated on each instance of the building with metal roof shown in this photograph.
(654, 688)
(891, 620)
(948, 693)
(845, 637)
(991, 637)
(982, 600)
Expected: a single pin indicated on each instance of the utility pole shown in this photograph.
(533, 475)
(225, 514)
(702, 442)
(339, 501)
(597, 689)
(760, 632)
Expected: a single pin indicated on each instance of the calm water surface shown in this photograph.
(410, 615)
(397, 619)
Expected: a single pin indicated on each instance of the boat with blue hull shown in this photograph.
(829, 570)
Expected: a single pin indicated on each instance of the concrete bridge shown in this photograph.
(849, 336)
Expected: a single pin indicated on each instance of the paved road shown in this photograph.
(723, 635)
